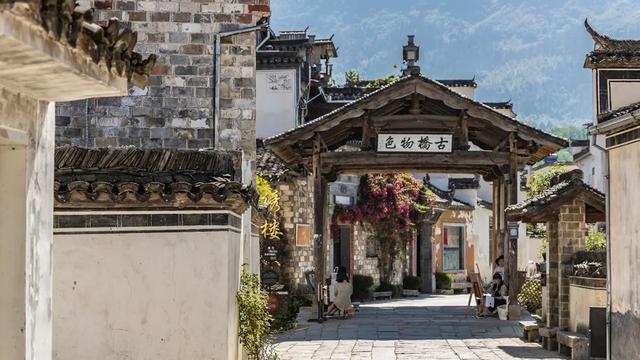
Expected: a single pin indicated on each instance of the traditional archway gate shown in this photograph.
(416, 124)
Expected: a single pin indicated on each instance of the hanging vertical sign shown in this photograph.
(425, 143)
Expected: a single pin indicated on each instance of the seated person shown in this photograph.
(499, 266)
(343, 291)
(497, 291)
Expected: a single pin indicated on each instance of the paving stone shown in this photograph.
(419, 328)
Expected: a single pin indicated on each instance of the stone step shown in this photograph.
(530, 331)
(548, 336)
(574, 344)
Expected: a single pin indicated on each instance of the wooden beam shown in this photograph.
(464, 131)
(502, 143)
(419, 117)
(319, 200)
(367, 132)
(481, 161)
(415, 104)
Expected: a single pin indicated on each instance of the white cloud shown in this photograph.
(514, 44)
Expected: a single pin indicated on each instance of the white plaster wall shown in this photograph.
(276, 109)
(482, 242)
(36, 119)
(467, 91)
(12, 250)
(485, 191)
(581, 298)
(146, 296)
(594, 166)
(623, 93)
(625, 247)
(527, 248)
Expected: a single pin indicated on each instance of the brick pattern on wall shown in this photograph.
(176, 110)
(363, 264)
(572, 230)
(296, 201)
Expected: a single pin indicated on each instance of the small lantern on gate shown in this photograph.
(410, 55)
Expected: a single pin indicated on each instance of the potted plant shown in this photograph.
(411, 285)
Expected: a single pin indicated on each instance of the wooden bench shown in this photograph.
(461, 286)
(382, 295)
(573, 344)
(530, 331)
(548, 336)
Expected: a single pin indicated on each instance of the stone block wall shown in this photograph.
(552, 274)
(572, 230)
(296, 201)
(176, 110)
(363, 264)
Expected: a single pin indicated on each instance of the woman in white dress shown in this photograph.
(342, 291)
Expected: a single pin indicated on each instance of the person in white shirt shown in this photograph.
(499, 269)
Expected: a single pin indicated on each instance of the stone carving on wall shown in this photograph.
(278, 82)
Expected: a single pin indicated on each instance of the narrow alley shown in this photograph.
(428, 327)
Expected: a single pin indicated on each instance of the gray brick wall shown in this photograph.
(176, 110)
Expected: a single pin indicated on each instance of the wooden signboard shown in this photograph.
(416, 143)
(303, 234)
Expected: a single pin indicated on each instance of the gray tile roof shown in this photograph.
(145, 173)
(547, 196)
(347, 107)
(611, 52)
(618, 112)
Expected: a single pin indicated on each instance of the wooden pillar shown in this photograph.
(319, 203)
(512, 197)
(498, 218)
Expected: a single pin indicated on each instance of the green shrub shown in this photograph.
(284, 317)
(362, 287)
(443, 280)
(384, 287)
(254, 320)
(596, 241)
(412, 283)
(531, 295)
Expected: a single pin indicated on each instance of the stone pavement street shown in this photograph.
(429, 327)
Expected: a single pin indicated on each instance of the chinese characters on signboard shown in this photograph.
(427, 143)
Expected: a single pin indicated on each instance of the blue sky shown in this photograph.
(529, 51)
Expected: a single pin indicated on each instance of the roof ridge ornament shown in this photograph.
(606, 43)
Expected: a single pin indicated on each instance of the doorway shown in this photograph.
(453, 249)
(342, 249)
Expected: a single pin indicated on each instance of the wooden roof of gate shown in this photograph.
(416, 104)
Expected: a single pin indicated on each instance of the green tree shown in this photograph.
(573, 132)
(541, 181)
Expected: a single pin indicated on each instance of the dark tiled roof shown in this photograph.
(579, 142)
(618, 112)
(111, 45)
(499, 104)
(464, 183)
(485, 204)
(154, 176)
(611, 52)
(403, 79)
(270, 166)
(459, 82)
(564, 183)
(363, 87)
(581, 154)
(446, 200)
